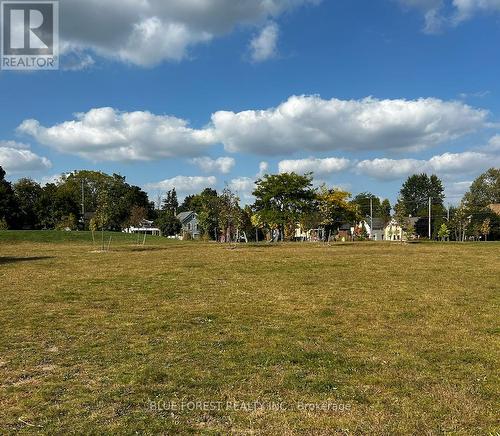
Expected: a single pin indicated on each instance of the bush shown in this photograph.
(67, 222)
(3, 224)
(168, 224)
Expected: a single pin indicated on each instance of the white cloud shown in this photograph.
(431, 9)
(222, 165)
(434, 21)
(460, 163)
(465, 9)
(316, 166)
(242, 184)
(264, 45)
(243, 187)
(106, 134)
(148, 32)
(477, 94)
(454, 192)
(55, 179)
(263, 169)
(302, 123)
(184, 185)
(435, 13)
(447, 164)
(16, 157)
(77, 61)
(493, 144)
(390, 169)
(14, 144)
(439, 14)
(309, 123)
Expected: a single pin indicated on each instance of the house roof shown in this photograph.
(378, 224)
(495, 208)
(183, 216)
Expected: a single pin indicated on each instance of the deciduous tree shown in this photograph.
(385, 210)
(336, 209)
(484, 191)
(443, 233)
(230, 215)
(368, 203)
(417, 190)
(9, 209)
(28, 194)
(486, 228)
(283, 199)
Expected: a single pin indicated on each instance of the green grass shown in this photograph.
(67, 237)
(403, 338)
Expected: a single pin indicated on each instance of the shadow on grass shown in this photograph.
(6, 260)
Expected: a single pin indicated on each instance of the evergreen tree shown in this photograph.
(170, 203)
(167, 220)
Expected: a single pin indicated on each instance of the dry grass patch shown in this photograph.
(405, 338)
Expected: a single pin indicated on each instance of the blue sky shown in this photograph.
(208, 92)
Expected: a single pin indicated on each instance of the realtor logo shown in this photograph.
(30, 35)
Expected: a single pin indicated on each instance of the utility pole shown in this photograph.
(448, 212)
(430, 222)
(371, 217)
(83, 203)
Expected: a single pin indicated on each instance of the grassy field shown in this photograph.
(287, 339)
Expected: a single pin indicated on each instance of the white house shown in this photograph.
(393, 231)
(146, 227)
(377, 232)
(387, 231)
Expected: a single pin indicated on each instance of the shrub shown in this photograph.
(3, 224)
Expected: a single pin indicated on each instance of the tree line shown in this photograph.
(95, 200)
(472, 218)
(78, 200)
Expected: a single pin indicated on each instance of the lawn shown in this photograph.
(184, 337)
